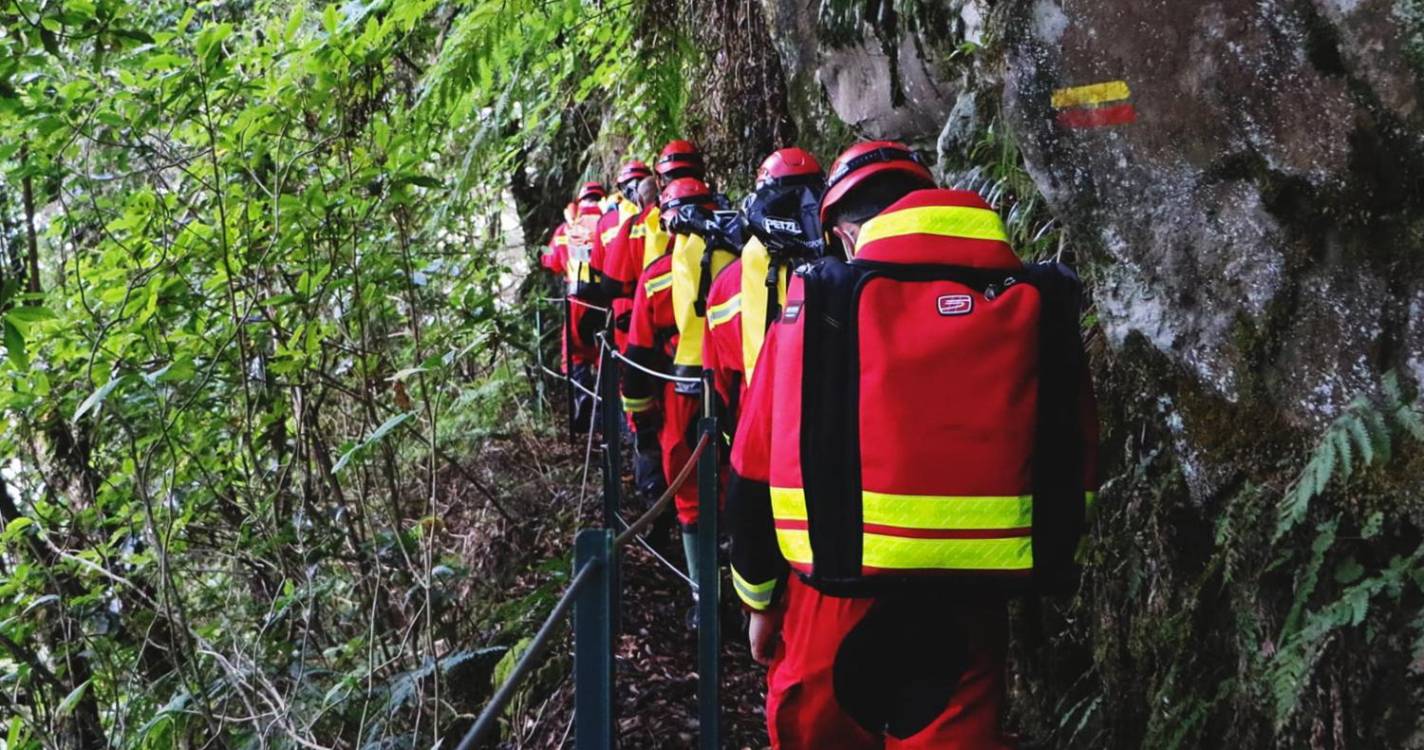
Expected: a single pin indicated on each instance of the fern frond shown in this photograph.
(1353, 428)
(1408, 417)
(1378, 430)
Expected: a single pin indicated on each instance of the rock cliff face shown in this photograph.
(1256, 198)
(1243, 183)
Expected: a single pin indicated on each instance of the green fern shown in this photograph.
(1363, 435)
(1303, 641)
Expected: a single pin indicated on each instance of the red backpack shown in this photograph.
(937, 409)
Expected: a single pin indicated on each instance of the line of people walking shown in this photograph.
(912, 432)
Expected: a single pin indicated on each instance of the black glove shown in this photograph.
(646, 425)
(648, 474)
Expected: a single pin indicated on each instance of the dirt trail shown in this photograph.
(656, 678)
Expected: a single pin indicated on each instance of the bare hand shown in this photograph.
(763, 632)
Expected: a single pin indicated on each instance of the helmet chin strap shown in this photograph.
(844, 239)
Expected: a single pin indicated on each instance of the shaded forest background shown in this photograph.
(275, 471)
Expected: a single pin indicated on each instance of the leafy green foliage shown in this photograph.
(260, 298)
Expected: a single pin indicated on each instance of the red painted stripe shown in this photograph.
(910, 533)
(1097, 117)
(787, 523)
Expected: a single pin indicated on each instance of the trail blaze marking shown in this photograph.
(1094, 105)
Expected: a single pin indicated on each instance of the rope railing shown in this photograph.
(667, 564)
(642, 368)
(573, 300)
(593, 595)
(644, 521)
(489, 716)
(573, 383)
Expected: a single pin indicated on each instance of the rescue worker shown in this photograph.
(623, 262)
(917, 444)
(644, 239)
(662, 324)
(552, 255)
(781, 214)
(582, 322)
(636, 189)
(641, 242)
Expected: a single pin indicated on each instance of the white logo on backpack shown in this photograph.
(955, 304)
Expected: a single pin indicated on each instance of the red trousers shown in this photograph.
(677, 439)
(577, 350)
(622, 306)
(890, 672)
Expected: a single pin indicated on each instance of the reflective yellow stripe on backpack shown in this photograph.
(974, 532)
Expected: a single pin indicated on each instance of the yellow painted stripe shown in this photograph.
(658, 283)
(942, 221)
(1097, 93)
(1089, 500)
(898, 553)
(788, 503)
(755, 595)
(722, 313)
(921, 511)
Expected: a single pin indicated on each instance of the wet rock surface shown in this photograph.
(1247, 230)
(1243, 184)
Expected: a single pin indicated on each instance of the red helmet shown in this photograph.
(865, 159)
(591, 191)
(633, 170)
(787, 163)
(685, 191)
(679, 159)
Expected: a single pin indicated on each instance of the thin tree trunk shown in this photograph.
(32, 280)
(87, 730)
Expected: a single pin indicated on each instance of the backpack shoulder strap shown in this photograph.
(1059, 506)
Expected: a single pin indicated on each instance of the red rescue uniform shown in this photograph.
(639, 242)
(722, 354)
(575, 263)
(615, 223)
(551, 258)
(652, 340)
(892, 485)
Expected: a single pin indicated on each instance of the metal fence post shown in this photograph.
(612, 413)
(612, 405)
(593, 643)
(709, 637)
(567, 368)
(539, 360)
